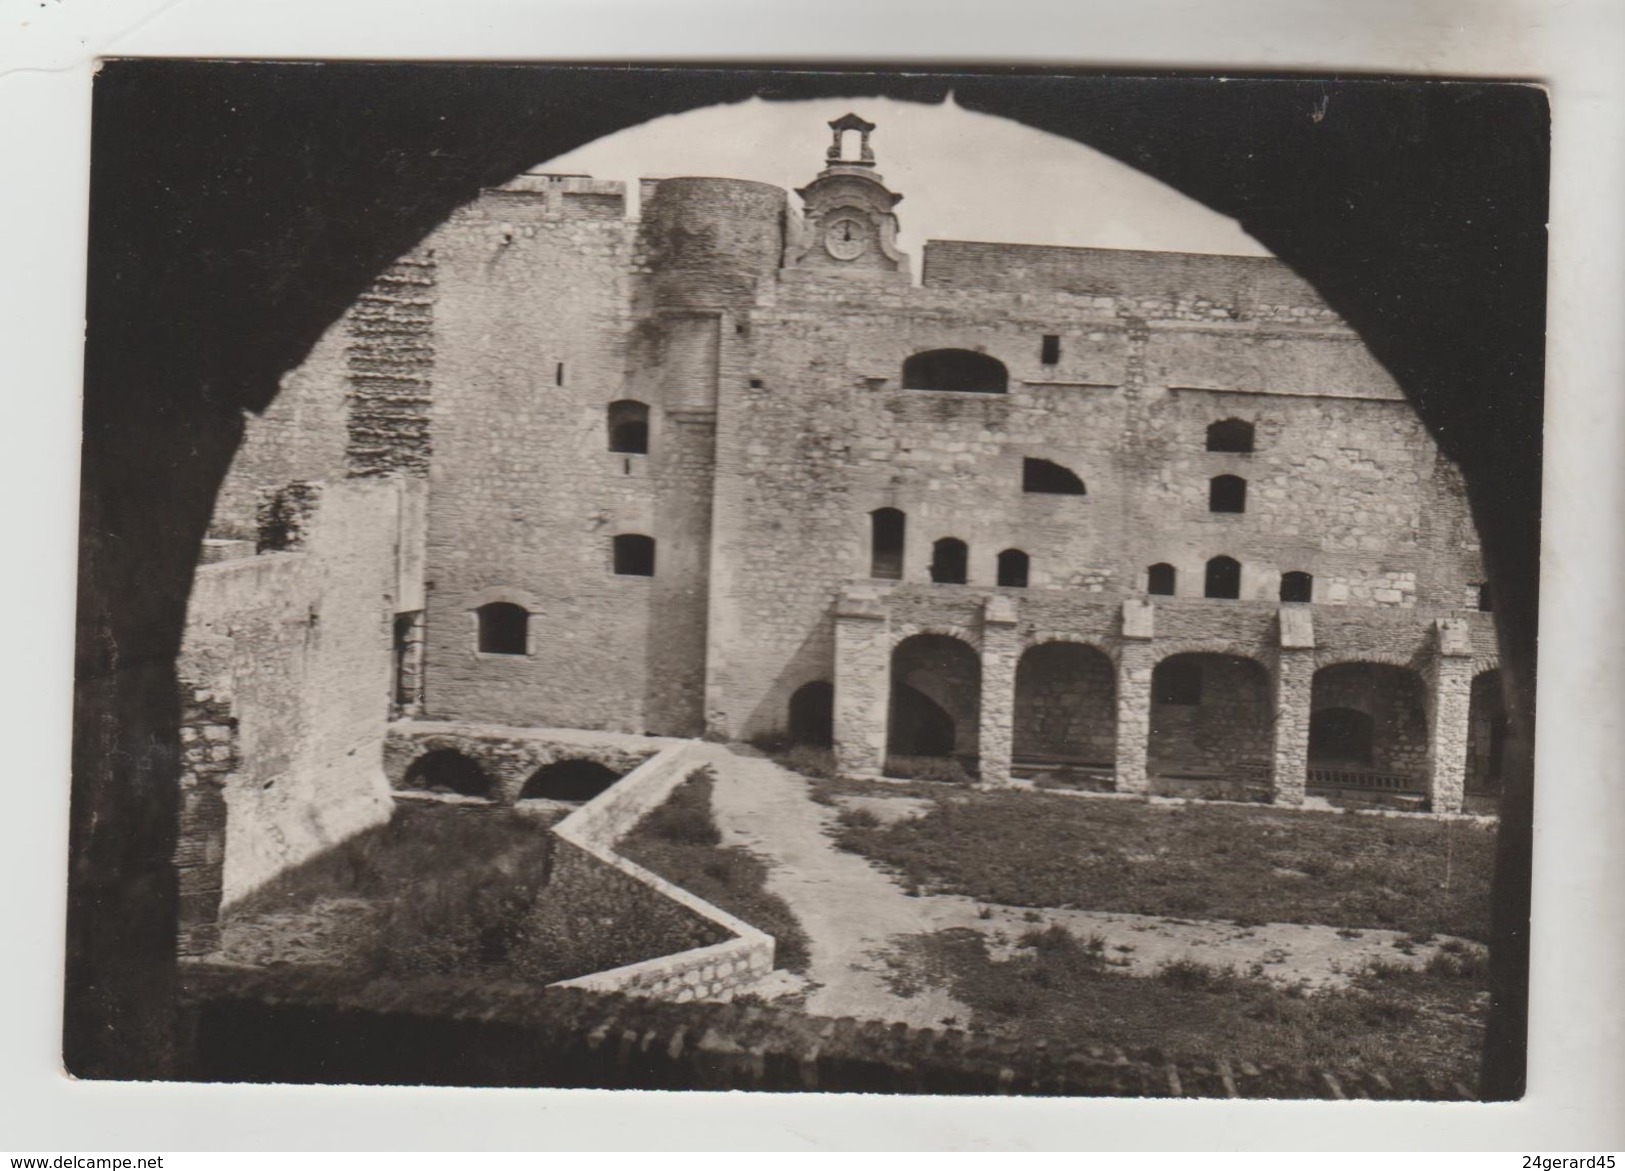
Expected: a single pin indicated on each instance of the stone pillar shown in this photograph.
(1452, 692)
(1294, 692)
(1001, 650)
(862, 682)
(1134, 666)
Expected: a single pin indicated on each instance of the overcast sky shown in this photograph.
(963, 175)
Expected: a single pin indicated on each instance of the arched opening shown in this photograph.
(1368, 730)
(1210, 723)
(1297, 586)
(1223, 578)
(1486, 734)
(964, 370)
(1227, 494)
(1177, 680)
(445, 770)
(886, 530)
(569, 780)
(950, 561)
(1160, 579)
(1230, 435)
(634, 555)
(1045, 476)
(1066, 709)
(1340, 736)
(812, 714)
(629, 427)
(1013, 567)
(936, 699)
(503, 628)
(1303, 228)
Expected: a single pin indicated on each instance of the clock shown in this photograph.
(846, 238)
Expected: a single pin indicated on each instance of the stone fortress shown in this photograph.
(724, 470)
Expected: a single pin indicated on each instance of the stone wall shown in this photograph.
(297, 1027)
(588, 869)
(508, 755)
(294, 649)
(778, 423)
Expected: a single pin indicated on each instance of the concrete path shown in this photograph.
(851, 911)
(856, 915)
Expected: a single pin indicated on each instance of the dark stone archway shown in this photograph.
(233, 217)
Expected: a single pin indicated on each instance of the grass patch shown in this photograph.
(679, 842)
(1058, 986)
(1036, 849)
(436, 890)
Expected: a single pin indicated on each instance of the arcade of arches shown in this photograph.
(1005, 702)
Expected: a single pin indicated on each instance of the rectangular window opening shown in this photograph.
(1050, 353)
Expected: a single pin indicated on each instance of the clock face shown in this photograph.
(846, 238)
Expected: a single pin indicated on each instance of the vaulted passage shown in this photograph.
(569, 780)
(1066, 707)
(1210, 719)
(936, 699)
(1368, 729)
(1486, 734)
(812, 714)
(964, 370)
(445, 770)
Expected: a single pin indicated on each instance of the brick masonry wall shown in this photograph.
(208, 757)
(712, 952)
(391, 365)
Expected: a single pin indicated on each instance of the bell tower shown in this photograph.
(849, 224)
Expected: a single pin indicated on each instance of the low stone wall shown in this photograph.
(306, 1027)
(508, 755)
(587, 869)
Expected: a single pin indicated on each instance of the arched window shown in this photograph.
(964, 370)
(1160, 578)
(1013, 565)
(502, 628)
(1040, 475)
(1297, 587)
(1223, 578)
(1227, 494)
(949, 559)
(886, 527)
(634, 555)
(1230, 435)
(1178, 681)
(629, 427)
